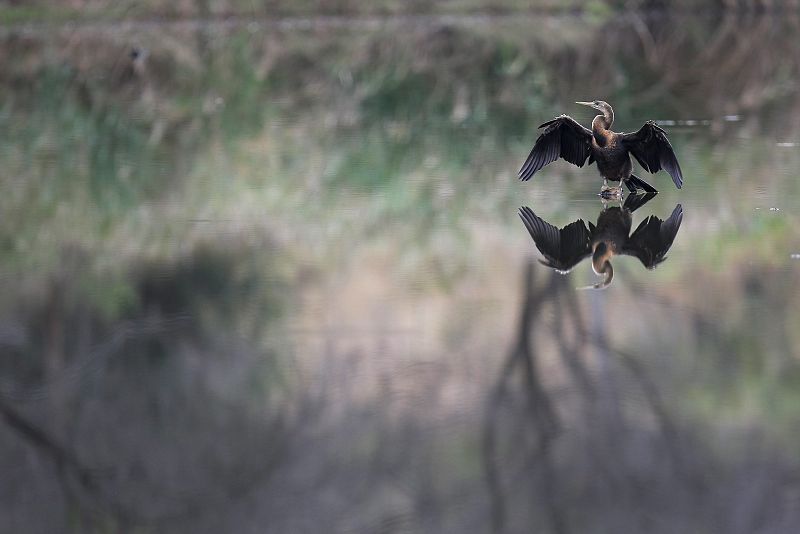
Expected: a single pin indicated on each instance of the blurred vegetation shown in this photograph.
(178, 188)
(210, 124)
(17, 11)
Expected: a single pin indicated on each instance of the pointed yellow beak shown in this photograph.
(590, 104)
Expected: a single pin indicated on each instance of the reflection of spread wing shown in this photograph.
(653, 237)
(651, 148)
(562, 249)
(634, 201)
(562, 137)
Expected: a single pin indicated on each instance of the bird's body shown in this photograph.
(612, 158)
(566, 138)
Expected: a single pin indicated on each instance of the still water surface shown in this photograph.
(271, 277)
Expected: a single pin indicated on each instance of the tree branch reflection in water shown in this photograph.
(562, 449)
(563, 249)
(574, 444)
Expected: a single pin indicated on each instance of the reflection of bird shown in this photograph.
(564, 137)
(565, 248)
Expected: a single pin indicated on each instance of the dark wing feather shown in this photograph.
(634, 201)
(562, 249)
(652, 239)
(562, 137)
(652, 150)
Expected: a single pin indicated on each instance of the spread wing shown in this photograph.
(562, 137)
(652, 150)
(653, 237)
(562, 249)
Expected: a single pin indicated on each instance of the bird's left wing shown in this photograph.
(652, 239)
(652, 150)
(563, 248)
(562, 137)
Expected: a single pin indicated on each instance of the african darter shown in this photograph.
(565, 248)
(564, 137)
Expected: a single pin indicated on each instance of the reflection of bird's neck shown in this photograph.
(601, 264)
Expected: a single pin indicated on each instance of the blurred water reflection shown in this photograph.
(268, 277)
(566, 247)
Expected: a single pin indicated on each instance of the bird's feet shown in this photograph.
(611, 193)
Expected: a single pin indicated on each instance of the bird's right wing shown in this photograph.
(562, 137)
(562, 249)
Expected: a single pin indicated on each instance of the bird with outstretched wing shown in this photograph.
(563, 137)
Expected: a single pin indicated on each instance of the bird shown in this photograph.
(566, 138)
(564, 248)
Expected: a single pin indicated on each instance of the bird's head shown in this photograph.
(604, 108)
(597, 104)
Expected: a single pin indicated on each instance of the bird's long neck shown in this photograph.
(608, 116)
(601, 125)
(606, 119)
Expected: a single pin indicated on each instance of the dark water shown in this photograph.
(270, 277)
